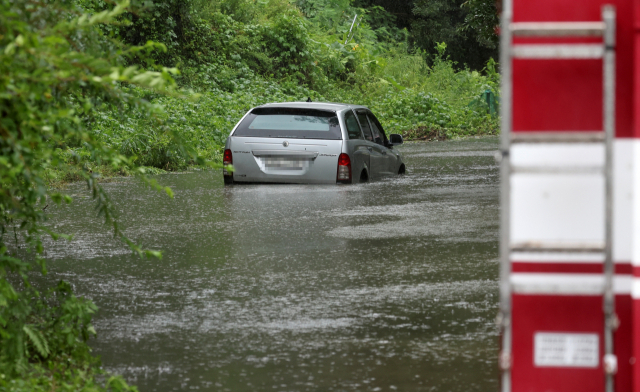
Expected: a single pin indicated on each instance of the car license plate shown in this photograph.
(284, 163)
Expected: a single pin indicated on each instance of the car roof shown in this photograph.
(333, 106)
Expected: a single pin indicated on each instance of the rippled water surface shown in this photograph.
(384, 286)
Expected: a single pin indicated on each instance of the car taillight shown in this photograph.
(227, 159)
(344, 168)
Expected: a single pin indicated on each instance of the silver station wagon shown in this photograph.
(310, 143)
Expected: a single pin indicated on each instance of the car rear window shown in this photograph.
(294, 123)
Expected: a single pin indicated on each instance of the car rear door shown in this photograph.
(378, 161)
(357, 146)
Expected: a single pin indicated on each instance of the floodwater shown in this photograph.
(385, 286)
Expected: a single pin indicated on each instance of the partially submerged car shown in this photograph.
(310, 143)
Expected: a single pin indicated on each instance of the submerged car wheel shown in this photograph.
(364, 177)
(402, 170)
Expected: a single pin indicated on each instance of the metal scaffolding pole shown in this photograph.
(611, 321)
(504, 317)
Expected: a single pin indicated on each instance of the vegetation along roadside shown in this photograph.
(93, 89)
(236, 54)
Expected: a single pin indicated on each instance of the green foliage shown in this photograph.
(69, 378)
(286, 40)
(406, 95)
(482, 20)
(413, 98)
(251, 59)
(50, 327)
(468, 27)
(58, 73)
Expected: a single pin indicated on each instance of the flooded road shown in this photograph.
(384, 286)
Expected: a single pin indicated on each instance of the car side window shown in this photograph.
(378, 132)
(353, 130)
(364, 123)
(374, 131)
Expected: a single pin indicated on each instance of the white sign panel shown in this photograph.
(566, 350)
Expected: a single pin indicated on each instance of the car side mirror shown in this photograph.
(395, 139)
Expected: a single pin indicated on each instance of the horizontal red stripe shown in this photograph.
(556, 40)
(585, 268)
(636, 271)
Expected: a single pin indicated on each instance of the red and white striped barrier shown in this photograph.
(553, 322)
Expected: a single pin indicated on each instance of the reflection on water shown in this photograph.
(384, 286)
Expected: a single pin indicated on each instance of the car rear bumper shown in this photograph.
(271, 160)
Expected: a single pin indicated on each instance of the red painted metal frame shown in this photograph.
(566, 95)
(575, 314)
(564, 268)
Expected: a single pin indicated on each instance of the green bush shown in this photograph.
(285, 39)
(59, 76)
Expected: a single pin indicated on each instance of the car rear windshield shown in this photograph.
(291, 123)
